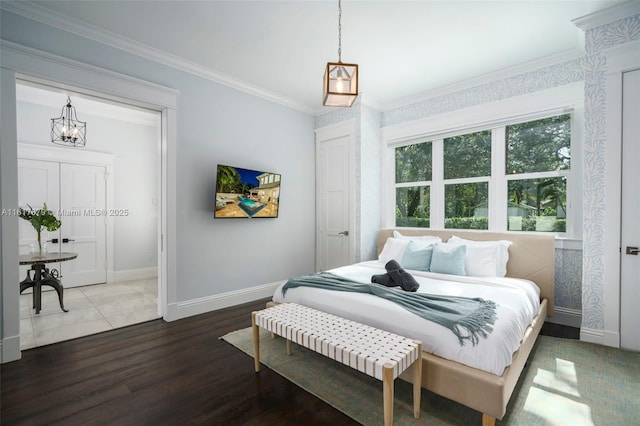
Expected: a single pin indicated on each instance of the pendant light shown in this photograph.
(67, 129)
(340, 86)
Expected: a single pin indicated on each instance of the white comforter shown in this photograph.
(517, 303)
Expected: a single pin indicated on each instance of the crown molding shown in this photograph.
(490, 77)
(92, 32)
(28, 63)
(608, 15)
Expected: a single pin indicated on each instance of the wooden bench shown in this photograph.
(375, 352)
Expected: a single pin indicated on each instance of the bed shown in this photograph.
(480, 377)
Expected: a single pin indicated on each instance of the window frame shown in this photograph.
(557, 101)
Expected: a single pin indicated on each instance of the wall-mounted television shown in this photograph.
(245, 193)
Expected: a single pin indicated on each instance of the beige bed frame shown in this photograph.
(531, 256)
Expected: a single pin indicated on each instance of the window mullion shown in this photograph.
(498, 192)
(437, 187)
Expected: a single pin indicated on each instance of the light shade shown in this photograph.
(67, 129)
(340, 86)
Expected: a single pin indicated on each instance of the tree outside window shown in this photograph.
(536, 167)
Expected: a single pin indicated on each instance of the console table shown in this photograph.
(375, 352)
(42, 276)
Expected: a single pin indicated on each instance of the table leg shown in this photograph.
(55, 283)
(387, 393)
(417, 381)
(37, 286)
(256, 342)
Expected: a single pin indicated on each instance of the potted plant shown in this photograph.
(40, 219)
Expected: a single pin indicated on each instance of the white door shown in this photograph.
(335, 234)
(77, 196)
(38, 183)
(630, 263)
(83, 200)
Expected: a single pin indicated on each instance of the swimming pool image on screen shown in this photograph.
(246, 193)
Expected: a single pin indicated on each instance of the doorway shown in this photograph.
(116, 283)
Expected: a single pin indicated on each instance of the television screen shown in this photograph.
(244, 193)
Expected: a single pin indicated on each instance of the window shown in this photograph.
(413, 183)
(466, 201)
(514, 175)
(538, 154)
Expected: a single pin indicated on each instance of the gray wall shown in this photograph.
(215, 124)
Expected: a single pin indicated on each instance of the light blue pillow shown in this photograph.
(448, 259)
(415, 258)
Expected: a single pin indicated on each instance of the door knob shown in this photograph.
(633, 250)
(66, 240)
(345, 233)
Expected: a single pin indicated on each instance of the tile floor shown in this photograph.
(92, 309)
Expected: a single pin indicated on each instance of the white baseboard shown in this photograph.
(10, 349)
(202, 305)
(591, 335)
(566, 316)
(133, 274)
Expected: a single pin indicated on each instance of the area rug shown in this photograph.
(566, 382)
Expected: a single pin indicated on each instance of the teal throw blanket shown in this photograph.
(468, 318)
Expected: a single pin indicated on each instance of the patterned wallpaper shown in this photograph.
(533, 81)
(596, 40)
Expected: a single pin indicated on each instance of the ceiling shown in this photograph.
(278, 49)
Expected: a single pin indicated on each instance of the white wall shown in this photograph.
(135, 147)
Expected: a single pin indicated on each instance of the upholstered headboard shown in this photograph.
(531, 256)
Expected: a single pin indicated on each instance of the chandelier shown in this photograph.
(340, 86)
(67, 129)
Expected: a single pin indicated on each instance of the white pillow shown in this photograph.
(421, 241)
(501, 254)
(394, 248)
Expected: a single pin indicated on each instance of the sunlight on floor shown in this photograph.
(564, 380)
(554, 396)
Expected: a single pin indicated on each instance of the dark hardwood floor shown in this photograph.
(158, 373)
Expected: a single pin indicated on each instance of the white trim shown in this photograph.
(203, 305)
(619, 60)
(64, 154)
(10, 349)
(9, 269)
(600, 337)
(135, 274)
(591, 335)
(480, 117)
(47, 69)
(117, 41)
(566, 316)
(568, 243)
(607, 16)
(44, 68)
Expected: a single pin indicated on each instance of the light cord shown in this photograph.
(339, 31)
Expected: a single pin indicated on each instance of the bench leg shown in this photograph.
(288, 347)
(417, 382)
(387, 393)
(256, 342)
